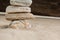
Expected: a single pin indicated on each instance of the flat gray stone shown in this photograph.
(17, 9)
(21, 2)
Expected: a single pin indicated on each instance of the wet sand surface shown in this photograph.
(42, 29)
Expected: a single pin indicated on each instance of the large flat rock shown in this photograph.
(42, 29)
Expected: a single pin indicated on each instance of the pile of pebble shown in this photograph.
(19, 13)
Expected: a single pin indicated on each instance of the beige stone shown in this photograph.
(10, 9)
(19, 16)
(21, 2)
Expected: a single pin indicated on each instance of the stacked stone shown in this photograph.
(19, 10)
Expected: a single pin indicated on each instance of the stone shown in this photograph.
(19, 16)
(20, 24)
(17, 25)
(21, 2)
(10, 9)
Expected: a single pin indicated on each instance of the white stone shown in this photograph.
(19, 16)
(10, 9)
(21, 2)
(20, 24)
